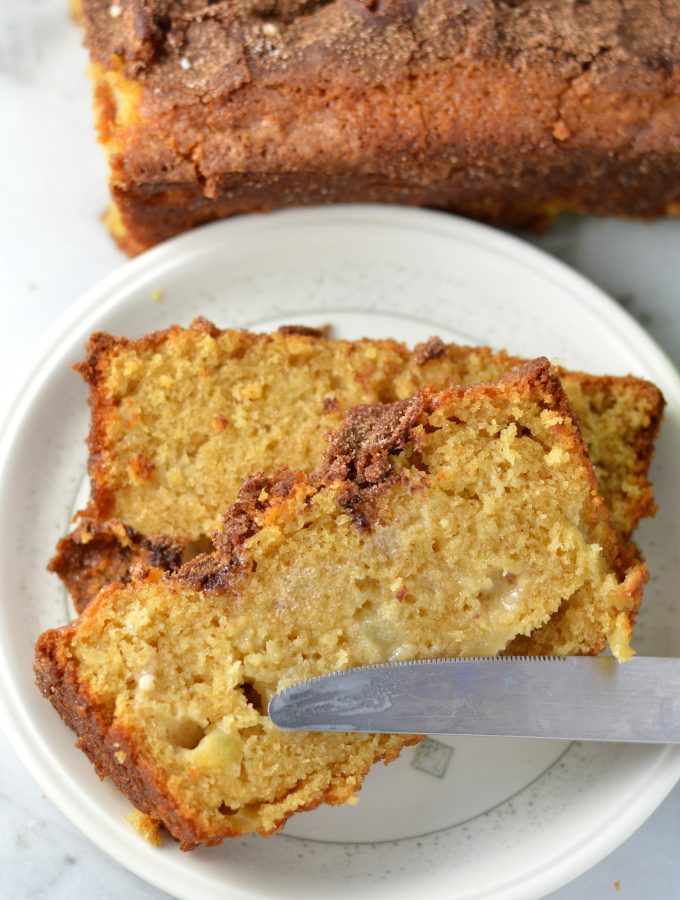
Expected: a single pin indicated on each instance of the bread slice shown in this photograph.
(182, 417)
(619, 418)
(441, 525)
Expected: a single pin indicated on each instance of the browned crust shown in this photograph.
(96, 554)
(100, 739)
(151, 213)
(115, 754)
(220, 570)
(358, 455)
(395, 97)
(434, 348)
(230, 46)
(303, 330)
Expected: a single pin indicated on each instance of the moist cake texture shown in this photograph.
(498, 110)
(181, 418)
(442, 525)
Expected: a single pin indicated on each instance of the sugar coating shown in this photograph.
(507, 112)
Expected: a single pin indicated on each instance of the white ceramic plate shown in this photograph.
(456, 818)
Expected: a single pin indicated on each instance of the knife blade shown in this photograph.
(568, 698)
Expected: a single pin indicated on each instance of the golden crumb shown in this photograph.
(560, 131)
(224, 404)
(443, 525)
(221, 405)
(146, 826)
(157, 295)
(619, 639)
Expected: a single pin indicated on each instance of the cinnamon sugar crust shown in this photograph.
(239, 42)
(258, 104)
(359, 453)
(97, 553)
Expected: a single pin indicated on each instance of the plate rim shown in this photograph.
(22, 732)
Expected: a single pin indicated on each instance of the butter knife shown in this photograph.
(568, 698)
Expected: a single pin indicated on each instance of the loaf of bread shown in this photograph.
(504, 111)
(442, 525)
(181, 418)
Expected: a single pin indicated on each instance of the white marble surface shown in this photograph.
(52, 248)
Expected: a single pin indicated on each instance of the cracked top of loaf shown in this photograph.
(182, 49)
